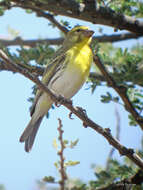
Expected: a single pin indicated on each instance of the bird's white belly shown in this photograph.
(67, 84)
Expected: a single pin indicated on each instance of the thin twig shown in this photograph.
(118, 126)
(62, 159)
(48, 16)
(117, 137)
(51, 18)
(78, 112)
(121, 90)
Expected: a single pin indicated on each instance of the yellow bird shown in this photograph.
(65, 75)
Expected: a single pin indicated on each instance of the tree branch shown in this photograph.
(93, 14)
(77, 111)
(58, 41)
(62, 169)
(51, 18)
(116, 37)
(40, 70)
(121, 90)
(135, 80)
(136, 179)
(36, 70)
(117, 186)
(31, 43)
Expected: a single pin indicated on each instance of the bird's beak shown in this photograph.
(88, 33)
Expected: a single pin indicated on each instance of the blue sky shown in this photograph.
(19, 170)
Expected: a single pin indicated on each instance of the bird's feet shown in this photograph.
(62, 100)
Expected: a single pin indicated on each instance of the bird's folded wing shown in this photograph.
(55, 64)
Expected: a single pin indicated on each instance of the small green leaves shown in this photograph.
(128, 7)
(14, 33)
(56, 164)
(29, 11)
(132, 121)
(55, 145)
(79, 1)
(115, 173)
(108, 98)
(49, 179)
(60, 146)
(71, 163)
(67, 143)
(73, 143)
(1, 12)
(66, 164)
(65, 23)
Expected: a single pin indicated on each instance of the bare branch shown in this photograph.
(121, 90)
(78, 112)
(118, 127)
(116, 37)
(62, 159)
(30, 43)
(58, 41)
(93, 14)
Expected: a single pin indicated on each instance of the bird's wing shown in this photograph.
(55, 64)
(38, 94)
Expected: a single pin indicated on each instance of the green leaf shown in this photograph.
(48, 179)
(29, 11)
(55, 145)
(71, 163)
(73, 143)
(56, 164)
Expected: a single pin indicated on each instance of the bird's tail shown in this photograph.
(29, 134)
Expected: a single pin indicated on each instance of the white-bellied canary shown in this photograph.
(65, 75)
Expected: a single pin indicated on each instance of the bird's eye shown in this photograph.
(78, 30)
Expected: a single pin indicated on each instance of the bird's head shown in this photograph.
(79, 35)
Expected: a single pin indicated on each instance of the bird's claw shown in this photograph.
(62, 100)
(83, 111)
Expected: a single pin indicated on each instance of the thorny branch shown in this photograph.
(94, 14)
(121, 90)
(62, 159)
(78, 112)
